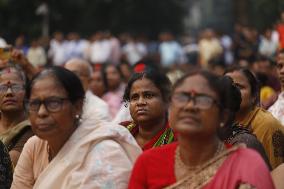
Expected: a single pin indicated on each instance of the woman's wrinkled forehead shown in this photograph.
(8, 70)
(47, 74)
(11, 72)
(47, 85)
(191, 81)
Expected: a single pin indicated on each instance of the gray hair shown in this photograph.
(18, 70)
(83, 63)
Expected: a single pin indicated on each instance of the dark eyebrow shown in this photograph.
(146, 91)
(149, 92)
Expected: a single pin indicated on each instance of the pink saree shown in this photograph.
(236, 168)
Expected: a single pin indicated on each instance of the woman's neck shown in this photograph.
(11, 119)
(114, 88)
(195, 151)
(57, 142)
(53, 149)
(148, 130)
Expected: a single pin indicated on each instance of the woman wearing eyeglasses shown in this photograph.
(148, 95)
(15, 129)
(199, 106)
(70, 149)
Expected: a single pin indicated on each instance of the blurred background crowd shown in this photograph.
(124, 55)
(210, 49)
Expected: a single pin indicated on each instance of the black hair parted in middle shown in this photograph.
(160, 80)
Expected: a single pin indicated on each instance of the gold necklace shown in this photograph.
(182, 165)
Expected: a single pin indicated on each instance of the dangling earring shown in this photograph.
(78, 120)
(222, 124)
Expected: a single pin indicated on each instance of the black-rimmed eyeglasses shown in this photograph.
(52, 104)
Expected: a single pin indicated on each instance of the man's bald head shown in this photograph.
(82, 69)
(79, 65)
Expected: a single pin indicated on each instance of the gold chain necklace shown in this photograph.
(182, 165)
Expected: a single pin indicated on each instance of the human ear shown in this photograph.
(78, 105)
(225, 117)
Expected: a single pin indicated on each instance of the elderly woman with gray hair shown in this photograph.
(15, 129)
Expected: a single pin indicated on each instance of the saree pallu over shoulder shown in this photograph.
(233, 168)
(200, 177)
(165, 136)
(100, 155)
(8, 136)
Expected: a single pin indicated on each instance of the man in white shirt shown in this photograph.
(170, 50)
(57, 50)
(75, 47)
(134, 50)
(100, 49)
(84, 71)
(267, 46)
(36, 54)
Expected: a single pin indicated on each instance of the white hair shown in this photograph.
(83, 63)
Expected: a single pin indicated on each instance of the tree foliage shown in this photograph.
(265, 13)
(87, 16)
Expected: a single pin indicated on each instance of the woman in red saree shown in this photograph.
(200, 105)
(148, 94)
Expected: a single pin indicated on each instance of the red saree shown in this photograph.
(155, 169)
(165, 136)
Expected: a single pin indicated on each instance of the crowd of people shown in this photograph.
(127, 112)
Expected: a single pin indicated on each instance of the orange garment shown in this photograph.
(280, 30)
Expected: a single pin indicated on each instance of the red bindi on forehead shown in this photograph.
(8, 71)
